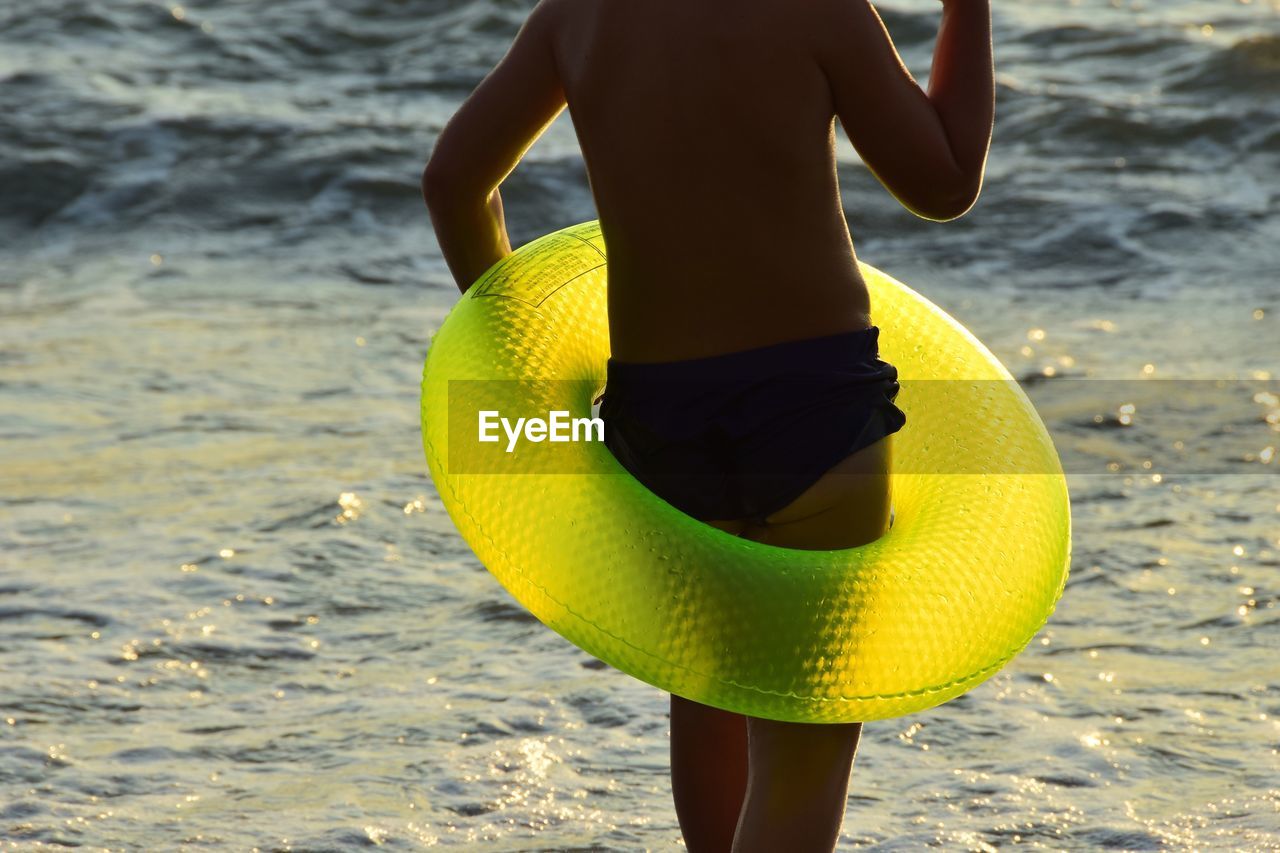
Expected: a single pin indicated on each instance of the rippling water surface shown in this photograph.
(233, 613)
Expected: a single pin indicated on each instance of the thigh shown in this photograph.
(848, 506)
(801, 770)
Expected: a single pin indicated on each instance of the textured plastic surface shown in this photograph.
(971, 569)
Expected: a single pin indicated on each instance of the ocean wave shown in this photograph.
(1249, 68)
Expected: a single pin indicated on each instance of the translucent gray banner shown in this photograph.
(1157, 427)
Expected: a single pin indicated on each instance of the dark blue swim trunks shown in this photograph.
(742, 435)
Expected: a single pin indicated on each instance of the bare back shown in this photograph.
(708, 134)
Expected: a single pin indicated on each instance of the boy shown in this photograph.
(744, 384)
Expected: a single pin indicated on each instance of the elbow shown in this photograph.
(949, 206)
(964, 197)
(438, 182)
(955, 208)
(432, 181)
(445, 186)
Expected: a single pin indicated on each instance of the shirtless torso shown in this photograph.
(708, 130)
(709, 136)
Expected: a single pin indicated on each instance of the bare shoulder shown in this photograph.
(842, 26)
(551, 14)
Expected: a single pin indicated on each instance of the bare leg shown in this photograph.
(708, 773)
(797, 785)
(755, 784)
(798, 778)
(708, 764)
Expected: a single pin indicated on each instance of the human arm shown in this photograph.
(483, 142)
(928, 150)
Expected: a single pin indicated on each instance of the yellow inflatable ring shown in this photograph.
(972, 568)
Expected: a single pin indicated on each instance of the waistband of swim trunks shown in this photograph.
(860, 345)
